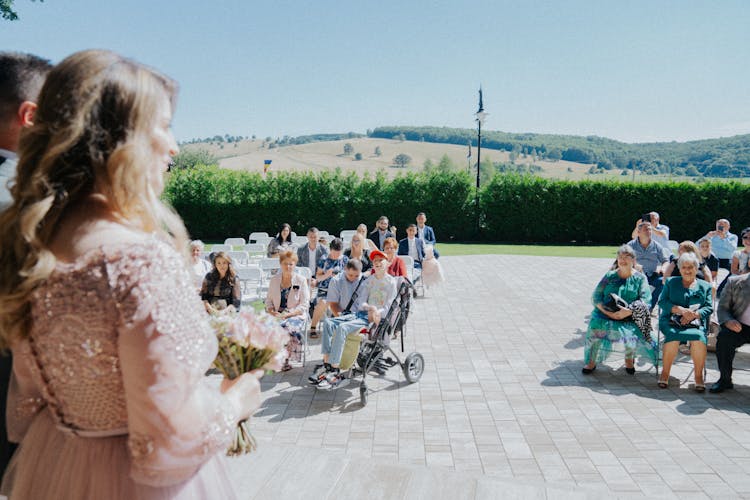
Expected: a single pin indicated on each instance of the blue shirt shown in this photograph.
(650, 257)
(723, 248)
(327, 263)
(341, 289)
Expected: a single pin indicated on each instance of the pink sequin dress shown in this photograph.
(108, 397)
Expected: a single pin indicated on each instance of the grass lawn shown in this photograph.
(540, 250)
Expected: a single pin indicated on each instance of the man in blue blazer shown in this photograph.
(412, 246)
(426, 234)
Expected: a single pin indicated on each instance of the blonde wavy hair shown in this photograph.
(91, 134)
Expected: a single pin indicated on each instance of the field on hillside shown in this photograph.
(249, 155)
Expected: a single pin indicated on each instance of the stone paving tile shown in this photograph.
(503, 395)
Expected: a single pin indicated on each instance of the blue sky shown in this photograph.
(634, 71)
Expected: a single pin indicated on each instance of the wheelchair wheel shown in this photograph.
(363, 393)
(413, 367)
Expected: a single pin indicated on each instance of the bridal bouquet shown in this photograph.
(247, 342)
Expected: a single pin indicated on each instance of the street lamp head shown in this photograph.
(481, 117)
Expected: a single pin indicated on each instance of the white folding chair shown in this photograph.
(255, 249)
(269, 266)
(253, 238)
(304, 271)
(240, 258)
(673, 245)
(324, 234)
(221, 248)
(263, 240)
(414, 274)
(234, 242)
(250, 278)
(299, 241)
(293, 235)
(347, 234)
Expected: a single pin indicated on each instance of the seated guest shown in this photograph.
(289, 300)
(376, 292)
(734, 318)
(362, 231)
(740, 257)
(282, 241)
(704, 273)
(396, 266)
(652, 257)
(685, 306)
(221, 287)
(328, 267)
(357, 251)
(723, 243)
(200, 265)
(659, 232)
(426, 233)
(309, 255)
(625, 327)
(412, 246)
(382, 232)
(707, 257)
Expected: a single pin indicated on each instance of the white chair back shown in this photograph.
(235, 242)
(251, 278)
(325, 234)
(673, 245)
(304, 271)
(255, 249)
(268, 264)
(221, 248)
(254, 237)
(240, 258)
(299, 241)
(263, 240)
(347, 234)
(409, 266)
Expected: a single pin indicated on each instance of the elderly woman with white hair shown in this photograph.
(686, 305)
(625, 326)
(199, 265)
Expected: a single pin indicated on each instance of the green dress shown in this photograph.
(606, 335)
(675, 294)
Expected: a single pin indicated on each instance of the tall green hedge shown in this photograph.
(217, 203)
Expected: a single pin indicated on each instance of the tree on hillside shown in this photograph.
(378, 152)
(428, 166)
(446, 164)
(190, 159)
(402, 160)
(554, 154)
(348, 148)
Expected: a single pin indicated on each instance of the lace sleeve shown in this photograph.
(177, 419)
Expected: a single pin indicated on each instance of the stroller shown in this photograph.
(364, 350)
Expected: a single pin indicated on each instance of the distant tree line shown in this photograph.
(725, 157)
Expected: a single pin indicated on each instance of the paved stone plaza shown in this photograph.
(503, 410)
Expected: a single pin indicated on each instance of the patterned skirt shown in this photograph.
(606, 336)
(294, 326)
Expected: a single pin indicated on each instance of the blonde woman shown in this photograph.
(358, 251)
(110, 343)
(288, 300)
(369, 244)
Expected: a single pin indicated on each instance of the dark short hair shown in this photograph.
(744, 232)
(312, 230)
(421, 213)
(21, 79)
(354, 264)
(411, 226)
(336, 244)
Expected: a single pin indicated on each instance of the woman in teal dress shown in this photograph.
(611, 331)
(690, 298)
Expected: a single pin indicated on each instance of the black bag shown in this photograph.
(614, 303)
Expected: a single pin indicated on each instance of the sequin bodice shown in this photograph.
(77, 313)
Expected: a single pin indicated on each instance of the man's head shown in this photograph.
(722, 225)
(312, 237)
(21, 79)
(421, 219)
(411, 230)
(654, 218)
(383, 223)
(644, 232)
(353, 269)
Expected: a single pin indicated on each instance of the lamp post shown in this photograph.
(480, 117)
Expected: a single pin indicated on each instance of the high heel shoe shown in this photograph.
(663, 384)
(588, 371)
(630, 371)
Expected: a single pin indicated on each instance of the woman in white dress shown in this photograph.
(110, 343)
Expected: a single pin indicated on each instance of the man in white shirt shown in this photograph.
(659, 232)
